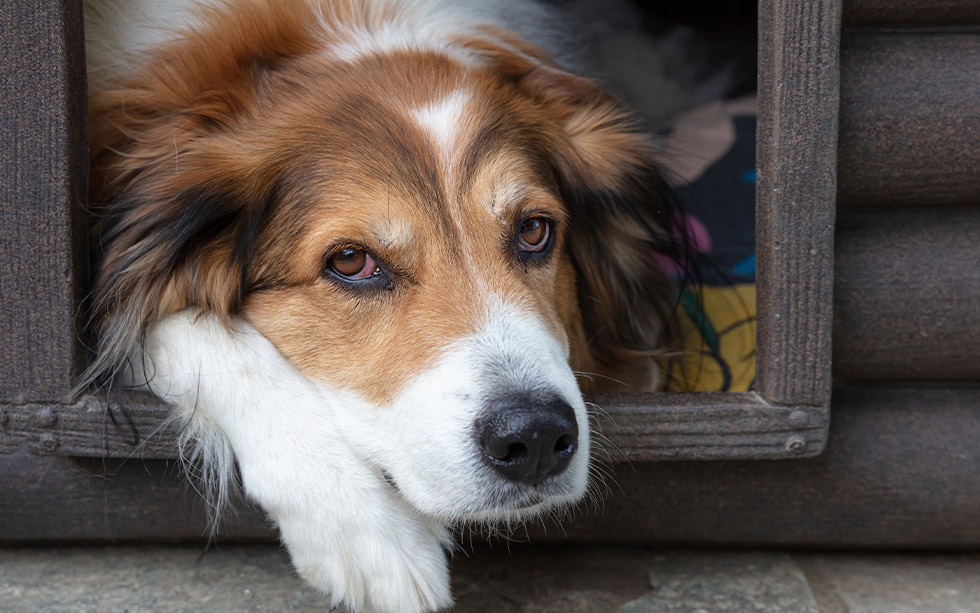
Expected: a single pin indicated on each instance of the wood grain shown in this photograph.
(43, 174)
(909, 119)
(130, 425)
(708, 426)
(911, 13)
(908, 294)
(634, 427)
(900, 470)
(799, 43)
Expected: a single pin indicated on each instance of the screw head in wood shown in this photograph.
(796, 444)
(49, 442)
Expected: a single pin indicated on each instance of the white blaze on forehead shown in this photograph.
(441, 120)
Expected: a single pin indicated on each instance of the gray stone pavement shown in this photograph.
(531, 579)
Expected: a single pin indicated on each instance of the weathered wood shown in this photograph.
(907, 289)
(900, 470)
(799, 44)
(43, 175)
(909, 119)
(911, 12)
(714, 426)
(636, 427)
(130, 425)
(53, 498)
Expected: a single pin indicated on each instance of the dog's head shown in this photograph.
(441, 240)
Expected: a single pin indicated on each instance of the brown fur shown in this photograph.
(231, 167)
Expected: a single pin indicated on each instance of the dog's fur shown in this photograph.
(238, 146)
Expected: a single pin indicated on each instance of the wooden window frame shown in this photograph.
(43, 176)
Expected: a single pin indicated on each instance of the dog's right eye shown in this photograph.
(534, 238)
(353, 263)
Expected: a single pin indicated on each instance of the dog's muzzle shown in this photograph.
(528, 439)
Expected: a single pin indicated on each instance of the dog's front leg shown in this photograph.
(348, 532)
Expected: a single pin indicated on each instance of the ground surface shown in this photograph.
(528, 579)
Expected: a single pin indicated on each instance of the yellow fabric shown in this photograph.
(727, 335)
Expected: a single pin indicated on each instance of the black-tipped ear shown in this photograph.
(164, 253)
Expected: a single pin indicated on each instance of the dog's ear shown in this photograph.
(177, 204)
(166, 250)
(177, 208)
(622, 214)
(618, 224)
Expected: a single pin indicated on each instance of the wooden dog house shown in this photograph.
(863, 429)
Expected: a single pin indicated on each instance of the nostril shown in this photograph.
(565, 444)
(515, 453)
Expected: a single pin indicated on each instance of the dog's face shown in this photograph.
(425, 282)
(438, 244)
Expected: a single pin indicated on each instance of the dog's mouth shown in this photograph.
(513, 503)
(509, 510)
(520, 502)
(516, 501)
(526, 505)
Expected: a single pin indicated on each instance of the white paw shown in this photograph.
(398, 565)
(348, 531)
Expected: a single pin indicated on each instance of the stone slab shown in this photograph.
(893, 583)
(177, 579)
(507, 577)
(725, 582)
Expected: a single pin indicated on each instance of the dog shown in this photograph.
(373, 253)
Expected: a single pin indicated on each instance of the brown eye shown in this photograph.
(534, 234)
(353, 263)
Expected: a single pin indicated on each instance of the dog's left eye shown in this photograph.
(534, 235)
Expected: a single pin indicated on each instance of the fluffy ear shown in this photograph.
(178, 204)
(620, 219)
(622, 213)
(163, 251)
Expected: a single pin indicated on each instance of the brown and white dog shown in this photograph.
(366, 248)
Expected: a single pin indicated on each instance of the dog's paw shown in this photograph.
(396, 566)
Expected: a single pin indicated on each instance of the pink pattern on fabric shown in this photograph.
(699, 238)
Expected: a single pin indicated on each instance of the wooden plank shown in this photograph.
(799, 44)
(131, 425)
(53, 498)
(911, 12)
(634, 427)
(910, 122)
(908, 294)
(43, 176)
(900, 470)
(707, 426)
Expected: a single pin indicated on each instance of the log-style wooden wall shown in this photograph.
(869, 238)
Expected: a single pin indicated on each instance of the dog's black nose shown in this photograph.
(526, 440)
